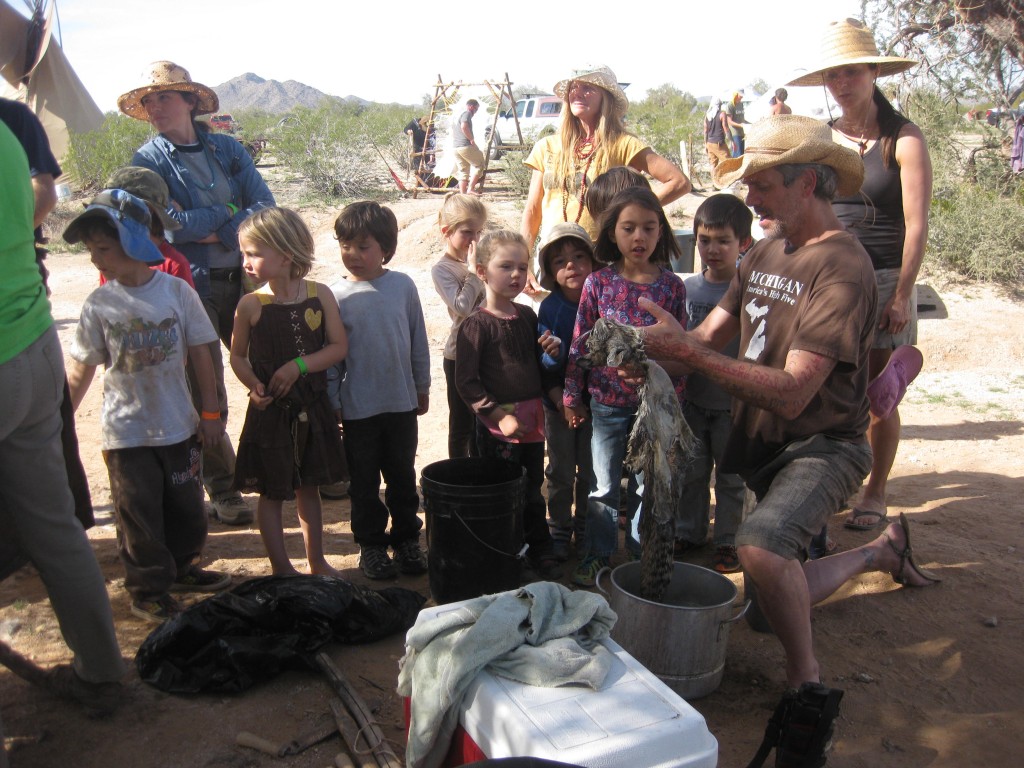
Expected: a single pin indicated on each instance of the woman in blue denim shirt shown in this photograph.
(214, 187)
(213, 183)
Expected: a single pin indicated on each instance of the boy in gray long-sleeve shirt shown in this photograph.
(383, 389)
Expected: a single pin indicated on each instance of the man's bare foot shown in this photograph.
(866, 514)
(895, 556)
(283, 570)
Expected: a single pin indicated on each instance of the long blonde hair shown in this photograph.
(609, 128)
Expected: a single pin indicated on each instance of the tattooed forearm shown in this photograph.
(785, 392)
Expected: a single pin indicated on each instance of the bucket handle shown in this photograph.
(735, 618)
(516, 556)
(597, 580)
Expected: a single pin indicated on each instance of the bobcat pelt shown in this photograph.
(660, 445)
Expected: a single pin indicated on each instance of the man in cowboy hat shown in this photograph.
(803, 302)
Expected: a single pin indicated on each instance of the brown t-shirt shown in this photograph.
(821, 298)
(497, 359)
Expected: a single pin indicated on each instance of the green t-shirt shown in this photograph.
(24, 308)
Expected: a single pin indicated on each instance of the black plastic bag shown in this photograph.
(257, 629)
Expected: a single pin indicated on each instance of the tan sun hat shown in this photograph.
(850, 42)
(167, 76)
(563, 230)
(787, 139)
(602, 77)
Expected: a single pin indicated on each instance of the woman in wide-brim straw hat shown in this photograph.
(590, 140)
(889, 215)
(213, 187)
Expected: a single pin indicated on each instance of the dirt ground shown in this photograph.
(933, 677)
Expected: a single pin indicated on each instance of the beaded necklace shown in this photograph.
(583, 155)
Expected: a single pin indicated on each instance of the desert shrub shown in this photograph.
(976, 220)
(255, 123)
(93, 156)
(333, 147)
(979, 233)
(517, 175)
(665, 117)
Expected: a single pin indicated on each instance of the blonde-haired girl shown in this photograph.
(286, 335)
(461, 219)
(591, 139)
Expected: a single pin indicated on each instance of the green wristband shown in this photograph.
(232, 208)
(302, 366)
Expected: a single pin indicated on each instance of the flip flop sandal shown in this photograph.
(880, 519)
(907, 558)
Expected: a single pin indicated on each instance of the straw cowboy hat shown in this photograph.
(167, 76)
(789, 139)
(602, 77)
(850, 42)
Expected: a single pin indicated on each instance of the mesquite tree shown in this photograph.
(973, 49)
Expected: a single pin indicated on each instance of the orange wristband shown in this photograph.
(210, 415)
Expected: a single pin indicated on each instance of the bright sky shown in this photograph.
(393, 50)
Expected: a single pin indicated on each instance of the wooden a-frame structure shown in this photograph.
(446, 95)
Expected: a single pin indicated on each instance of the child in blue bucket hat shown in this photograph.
(141, 325)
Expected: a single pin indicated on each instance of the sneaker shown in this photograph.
(232, 510)
(98, 699)
(725, 559)
(198, 580)
(410, 558)
(157, 611)
(586, 572)
(338, 490)
(375, 563)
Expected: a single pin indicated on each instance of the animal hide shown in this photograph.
(660, 445)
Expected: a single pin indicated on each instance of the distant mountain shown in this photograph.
(250, 91)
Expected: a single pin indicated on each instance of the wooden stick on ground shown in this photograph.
(382, 752)
(349, 731)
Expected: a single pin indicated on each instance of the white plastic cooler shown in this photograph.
(634, 720)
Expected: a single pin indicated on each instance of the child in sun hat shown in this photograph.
(141, 325)
(566, 259)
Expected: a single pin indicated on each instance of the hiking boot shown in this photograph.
(375, 563)
(98, 699)
(157, 611)
(410, 558)
(586, 572)
(725, 559)
(338, 490)
(198, 580)
(232, 510)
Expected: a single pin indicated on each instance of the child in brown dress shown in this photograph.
(286, 335)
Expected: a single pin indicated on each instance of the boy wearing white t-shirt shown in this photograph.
(142, 325)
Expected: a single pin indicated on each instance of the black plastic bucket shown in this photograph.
(474, 510)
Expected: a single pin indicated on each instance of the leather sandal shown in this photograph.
(906, 556)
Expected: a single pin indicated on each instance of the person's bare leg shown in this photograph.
(268, 517)
(884, 439)
(312, 524)
(826, 575)
(476, 185)
(783, 597)
(786, 590)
